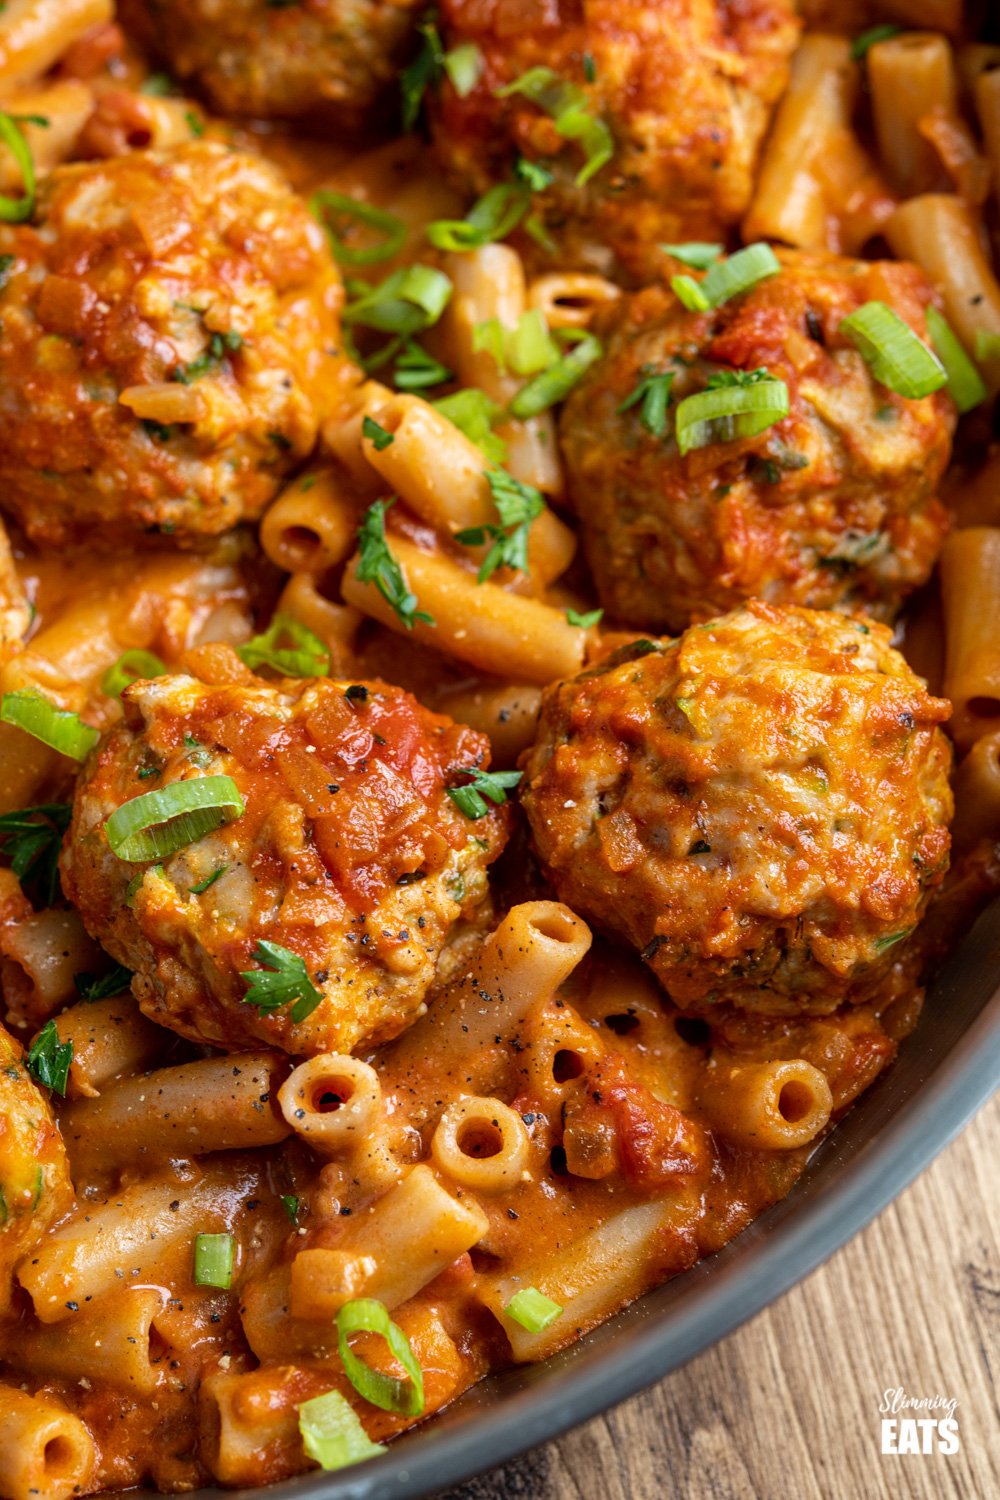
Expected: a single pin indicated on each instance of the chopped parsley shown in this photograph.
(282, 979)
(31, 840)
(651, 393)
(517, 505)
(49, 1059)
(471, 799)
(377, 436)
(103, 986)
(583, 621)
(377, 565)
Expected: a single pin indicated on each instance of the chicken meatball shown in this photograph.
(835, 507)
(35, 1186)
(685, 88)
(760, 807)
(343, 876)
(168, 334)
(258, 57)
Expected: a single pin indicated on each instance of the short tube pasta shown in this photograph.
(214, 1104)
(110, 1339)
(482, 624)
(569, 299)
(911, 76)
(44, 1449)
(970, 591)
(767, 1106)
(481, 1144)
(65, 107)
(944, 236)
(507, 712)
(334, 1104)
(311, 526)
(111, 1038)
(132, 1232)
(41, 957)
(977, 793)
(35, 33)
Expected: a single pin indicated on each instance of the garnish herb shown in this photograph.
(584, 621)
(214, 1258)
(651, 393)
(130, 667)
(305, 656)
(17, 210)
(569, 110)
(422, 73)
(49, 1059)
(518, 505)
(158, 823)
(341, 216)
(366, 1315)
(282, 979)
(464, 66)
(377, 565)
(376, 435)
(31, 839)
(103, 986)
(55, 727)
(473, 412)
(471, 799)
(332, 1434)
(892, 351)
(532, 1309)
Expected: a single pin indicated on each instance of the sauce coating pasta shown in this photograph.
(405, 963)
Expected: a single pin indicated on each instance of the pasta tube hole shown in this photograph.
(61, 1458)
(567, 1065)
(693, 1030)
(330, 1094)
(479, 1139)
(556, 923)
(622, 1023)
(795, 1101)
(983, 707)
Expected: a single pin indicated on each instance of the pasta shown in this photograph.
(499, 679)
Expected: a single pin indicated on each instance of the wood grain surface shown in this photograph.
(786, 1408)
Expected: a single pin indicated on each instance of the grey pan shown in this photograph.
(944, 1072)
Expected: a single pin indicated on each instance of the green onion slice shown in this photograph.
(160, 822)
(738, 273)
(214, 1257)
(569, 110)
(473, 412)
(532, 1309)
(306, 656)
(17, 210)
(405, 302)
(464, 66)
(696, 253)
(987, 345)
(689, 293)
(721, 415)
(492, 218)
(892, 351)
(37, 716)
(332, 1434)
(967, 387)
(365, 1315)
(863, 43)
(337, 212)
(131, 666)
(555, 383)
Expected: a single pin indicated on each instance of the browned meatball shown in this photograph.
(256, 57)
(168, 336)
(685, 88)
(833, 507)
(349, 856)
(760, 808)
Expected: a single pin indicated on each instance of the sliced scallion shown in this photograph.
(304, 656)
(569, 110)
(723, 414)
(897, 358)
(473, 412)
(365, 1315)
(739, 272)
(17, 210)
(214, 1258)
(332, 1434)
(61, 730)
(337, 212)
(405, 303)
(464, 66)
(532, 1309)
(696, 253)
(158, 823)
(689, 293)
(491, 218)
(967, 387)
(555, 383)
(131, 666)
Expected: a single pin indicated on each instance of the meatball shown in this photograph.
(759, 807)
(168, 330)
(258, 57)
(833, 507)
(685, 88)
(349, 856)
(35, 1186)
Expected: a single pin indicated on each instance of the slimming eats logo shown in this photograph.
(918, 1424)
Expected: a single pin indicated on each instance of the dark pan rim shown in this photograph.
(537, 1403)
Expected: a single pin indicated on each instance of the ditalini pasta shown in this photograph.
(498, 660)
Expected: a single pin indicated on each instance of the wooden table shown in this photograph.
(786, 1408)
